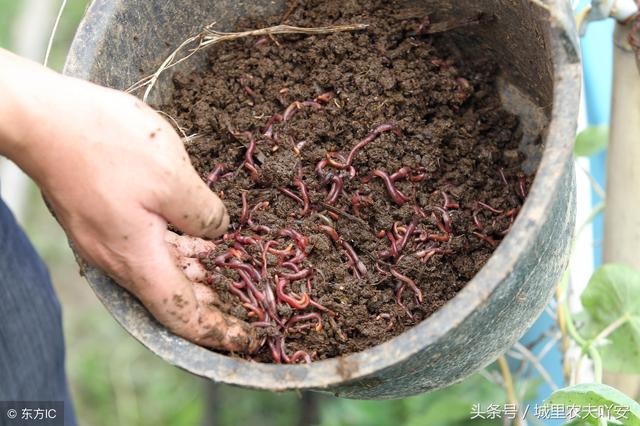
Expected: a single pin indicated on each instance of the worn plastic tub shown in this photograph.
(121, 41)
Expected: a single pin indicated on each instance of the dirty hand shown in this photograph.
(115, 173)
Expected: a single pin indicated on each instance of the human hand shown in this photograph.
(115, 173)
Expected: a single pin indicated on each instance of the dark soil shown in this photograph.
(449, 130)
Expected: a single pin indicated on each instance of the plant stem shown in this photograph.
(610, 329)
(508, 386)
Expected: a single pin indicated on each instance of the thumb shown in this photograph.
(193, 208)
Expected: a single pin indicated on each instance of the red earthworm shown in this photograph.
(397, 196)
(250, 92)
(304, 317)
(336, 190)
(312, 104)
(298, 275)
(447, 202)
(504, 179)
(446, 219)
(239, 293)
(292, 266)
(261, 205)
(386, 316)
(399, 290)
(394, 244)
(261, 41)
(324, 98)
(476, 221)
(301, 241)
(270, 299)
(248, 162)
(301, 304)
(298, 147)
(427, 253)
(239, 252)
(243, 267)
(291, 195)
(487, 239)
(333, 215)
(400, 174)
(381, 233)
(355, 204)
(244, 216)
(409, 282)
(322, 308)
(522, 188)
(299, 257)
(255, 240)
(398, 230)
(512, 213)
(300, 355)
(285, 252)
(488, 207)
(255, 310)
(370, 138)
(261, 229)
(215, 175)
(275, 350)
(291, 110)
(358, 266)
(306, 205)
(276, 118)
(265, 252)
(380, 270)
(265, 324)
(426, 21)
(408, 234)
(250, 285)
(330, 231)
(443, 238)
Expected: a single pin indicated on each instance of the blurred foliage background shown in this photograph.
(116, 381)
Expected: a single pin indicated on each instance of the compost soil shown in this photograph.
(448, 128)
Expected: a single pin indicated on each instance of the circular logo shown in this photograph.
(11, 413)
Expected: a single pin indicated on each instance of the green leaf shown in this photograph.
(597, 395)
(613, 292)
(591, 141)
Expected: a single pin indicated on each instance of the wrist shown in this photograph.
(27, 113)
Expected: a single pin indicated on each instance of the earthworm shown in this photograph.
(244, 216)
(487, 239)
(359, 267)
(400, 174)
(476, 221)
(336, 189)
(298, 275)
(281, 283)
(409, 282)
(370, 138)
(215, 175)
(306, 205)
(291, 195)
(301, 241)
(330, 231)
(448, 204)
(322, 308)
(304, 317)
(256, 311)
(291, 110)
(248, 162)
(490, 208)
(446, 219)
(324, 98)
(300, 355)
(397, 196)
